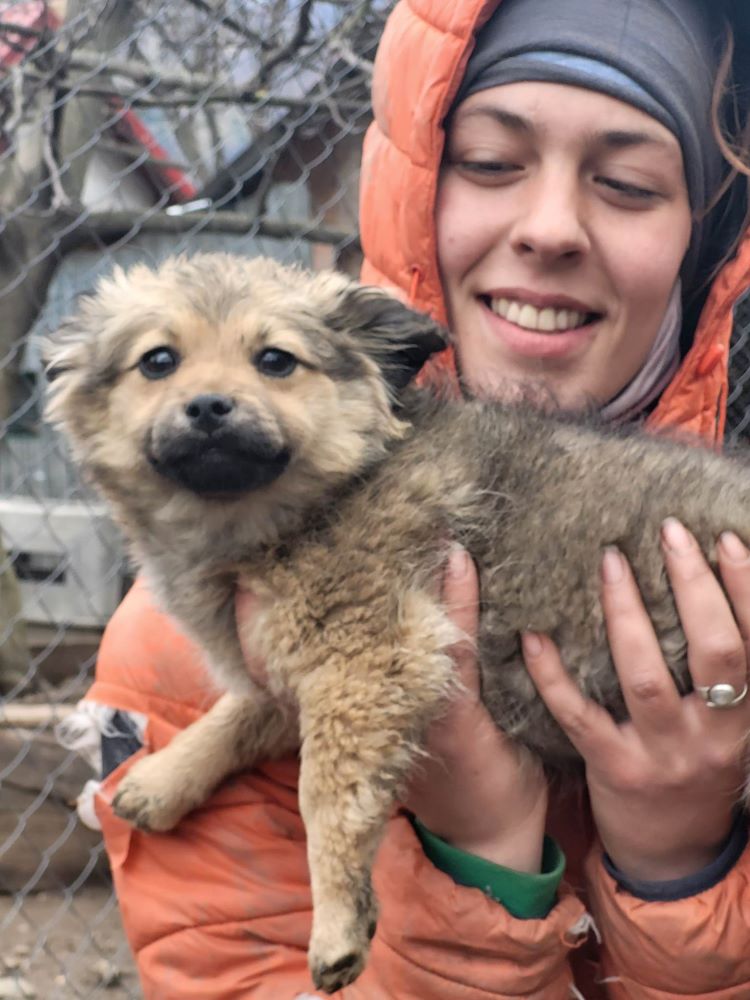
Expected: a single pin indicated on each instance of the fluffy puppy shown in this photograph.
(249, 422)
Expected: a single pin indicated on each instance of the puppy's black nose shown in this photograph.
(208, 412)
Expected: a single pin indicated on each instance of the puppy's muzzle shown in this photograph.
(216, 451)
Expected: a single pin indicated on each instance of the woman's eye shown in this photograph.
(628, 190)
(488, 168)
(275, 362)
(487, 173)
(159, 362)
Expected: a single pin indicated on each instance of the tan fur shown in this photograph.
(344, 544)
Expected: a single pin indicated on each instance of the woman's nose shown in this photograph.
(549, 221)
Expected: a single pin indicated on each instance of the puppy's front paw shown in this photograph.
(340, 944)
(337, 973)
(151, 798)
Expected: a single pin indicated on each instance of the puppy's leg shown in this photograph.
(163, 787)
(363, 716)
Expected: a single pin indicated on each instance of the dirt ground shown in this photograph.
(58, 948)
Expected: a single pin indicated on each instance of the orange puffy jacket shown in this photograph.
(220, 909)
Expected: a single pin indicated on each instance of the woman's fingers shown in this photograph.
(464, 731)
(460, 597)
(590, 729)
(651, 697)
(734, 565)
(246, 607)
(472, 788)
(716, 648)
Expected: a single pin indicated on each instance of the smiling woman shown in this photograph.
(586, 218)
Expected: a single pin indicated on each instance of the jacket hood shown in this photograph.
(418, 71)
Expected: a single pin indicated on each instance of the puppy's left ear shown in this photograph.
(399, 339)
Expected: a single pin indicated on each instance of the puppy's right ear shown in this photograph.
(78, 347)
(69, 356)
(66, 350)
(397, 338)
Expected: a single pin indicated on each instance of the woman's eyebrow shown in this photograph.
(623, 139)
(509, 119)
(613, 138)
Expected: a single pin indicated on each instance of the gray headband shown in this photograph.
(657, 55)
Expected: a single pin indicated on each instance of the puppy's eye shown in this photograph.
(275, 362)
(159, 362)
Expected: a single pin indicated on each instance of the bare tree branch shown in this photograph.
(347, 53)
(17, 101)
(59, 197)
(296, 42)
(139, 72)
(229, 22)
(110, 226)
(225, 97)
(219, 95)
(192, 84)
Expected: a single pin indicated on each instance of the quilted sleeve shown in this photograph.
(697, 946)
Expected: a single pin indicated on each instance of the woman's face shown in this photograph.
(562, 221)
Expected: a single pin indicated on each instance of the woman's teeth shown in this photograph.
(530, 318)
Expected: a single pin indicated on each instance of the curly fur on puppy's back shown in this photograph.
(536, 498)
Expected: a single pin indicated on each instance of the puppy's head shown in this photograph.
(222, 378)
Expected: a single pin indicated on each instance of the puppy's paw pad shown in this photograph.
(142, 811)
(148, 810)
(132, 808)
(333, 976)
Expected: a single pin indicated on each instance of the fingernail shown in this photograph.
(459, 560)
(675, 536)
(242, 597)
(613, 568)
(733, 547)
(532, 643)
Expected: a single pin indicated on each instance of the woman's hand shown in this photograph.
(475, 790)
(246, 607)
(663, 785)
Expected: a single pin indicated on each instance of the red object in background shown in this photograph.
(35, 16)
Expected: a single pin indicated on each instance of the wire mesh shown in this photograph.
(738, 411)
(130, 130)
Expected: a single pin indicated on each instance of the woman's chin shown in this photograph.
(548, 393)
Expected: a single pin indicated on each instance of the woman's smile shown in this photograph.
(539, 325)
(530, 332)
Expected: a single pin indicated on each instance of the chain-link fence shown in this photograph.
(130, 130)
(738, 400)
